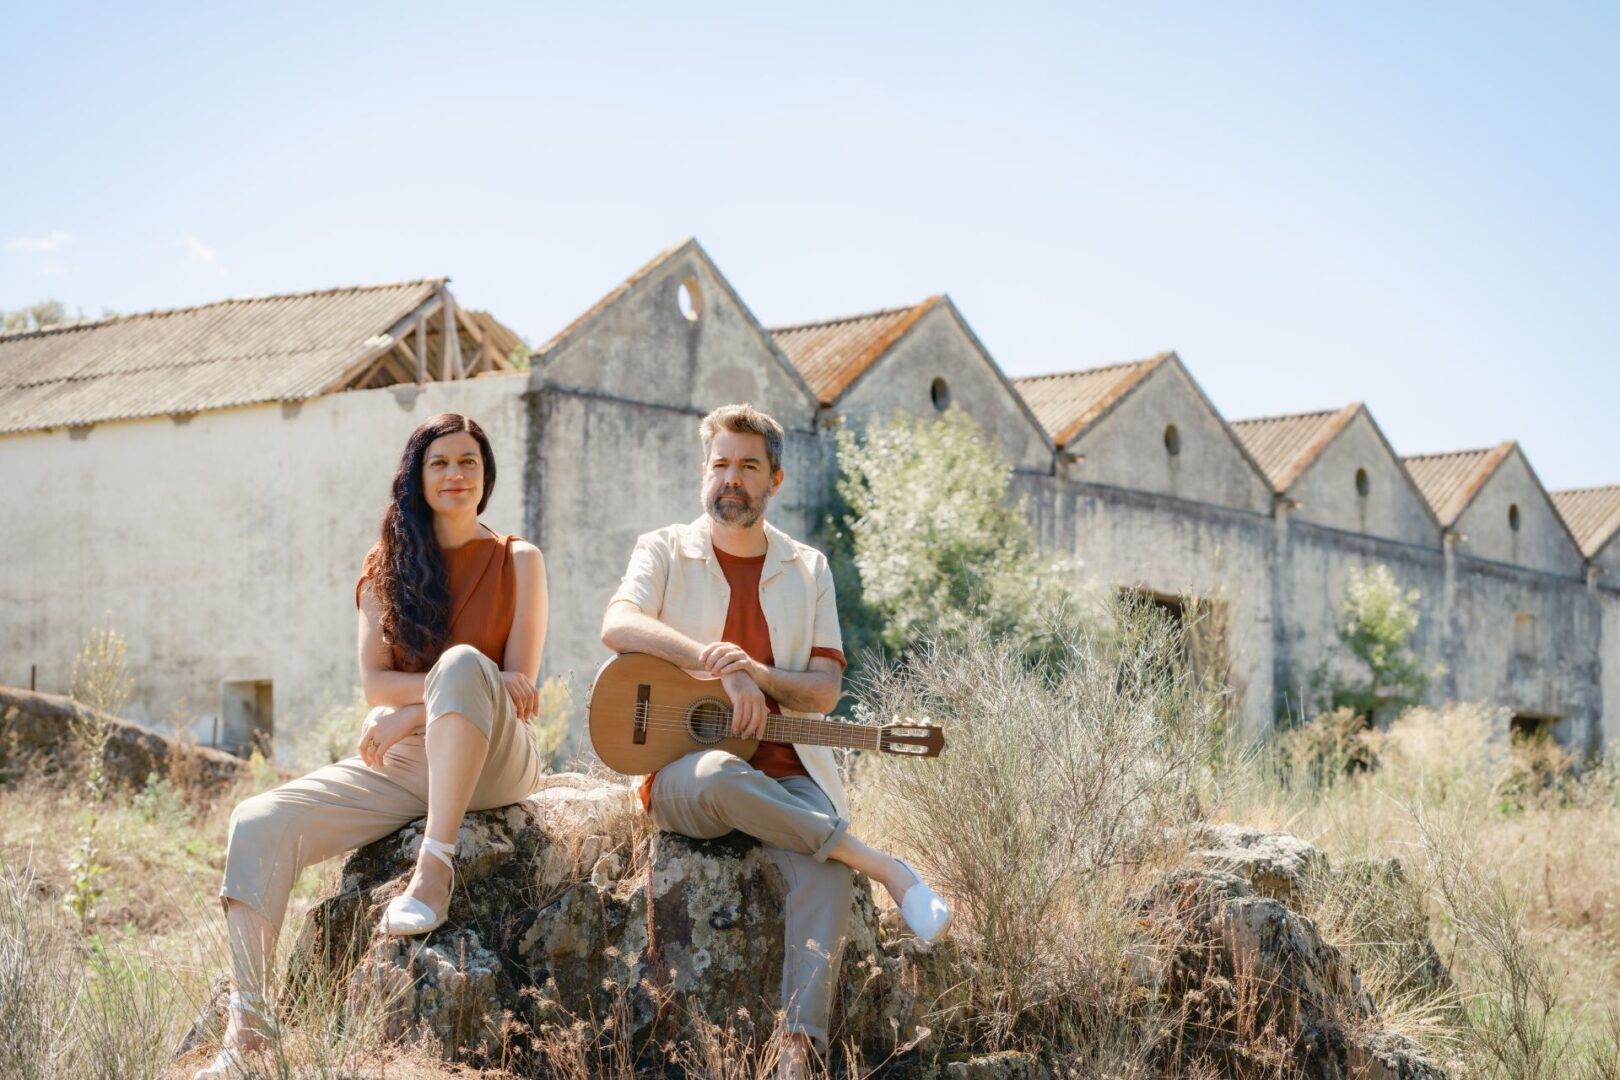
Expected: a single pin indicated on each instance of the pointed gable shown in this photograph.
(1285, 446)
(1147, 426)
(675, 333)
(1593, 517)
(834, 353)
(1067, 402)
(1449, 481)
(1495, 504)
(921, 359)
(1340, 471)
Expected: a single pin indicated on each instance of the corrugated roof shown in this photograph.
(1592, 514)
(833, 353)
(231, 352)
(1450, 480)
(1069, 402)
(1284, 446)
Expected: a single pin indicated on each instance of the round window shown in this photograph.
(941, 395)
(1363, 485)
(689, 298)
(1172, 439)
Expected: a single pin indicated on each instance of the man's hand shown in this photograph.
(386, 725)
(724, 658)
(747, 705)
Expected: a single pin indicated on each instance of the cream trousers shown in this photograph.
(710, 793)
(340, 807)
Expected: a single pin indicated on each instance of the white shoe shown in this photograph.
(924, 910)
(231, 1062)
(406, 915)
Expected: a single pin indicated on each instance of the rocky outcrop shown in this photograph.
(37, 730)
(1228, 949)
(569, 908)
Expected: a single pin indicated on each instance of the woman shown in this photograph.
(441, 597)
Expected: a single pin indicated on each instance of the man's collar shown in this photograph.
(698, 543)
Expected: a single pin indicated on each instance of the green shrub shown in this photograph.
(936, 540)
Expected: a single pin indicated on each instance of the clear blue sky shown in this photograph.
(1312, 203)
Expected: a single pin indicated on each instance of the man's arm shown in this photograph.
(626, 628)
(816, 690)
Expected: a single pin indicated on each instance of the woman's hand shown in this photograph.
(525, 698)
(386, 725)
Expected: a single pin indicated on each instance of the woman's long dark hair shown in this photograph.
(406, 568)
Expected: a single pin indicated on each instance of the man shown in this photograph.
(731, 597)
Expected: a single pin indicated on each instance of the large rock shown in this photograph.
(569, 908)
(556, 916)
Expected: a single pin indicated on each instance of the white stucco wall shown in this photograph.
(1126, 448)
(224, 549)
(1541, 542)
(938, 347)
(1392, 508)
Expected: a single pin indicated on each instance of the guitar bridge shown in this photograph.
(639, 727)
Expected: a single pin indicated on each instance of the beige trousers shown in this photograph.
(710, 793)
(339, 807)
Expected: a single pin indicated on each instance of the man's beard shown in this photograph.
(740, 515)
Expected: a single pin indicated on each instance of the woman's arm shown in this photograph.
(379, 681)
(520, 665)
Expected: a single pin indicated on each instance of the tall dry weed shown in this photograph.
(1058, 785)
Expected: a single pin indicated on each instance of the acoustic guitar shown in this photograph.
(645, 713)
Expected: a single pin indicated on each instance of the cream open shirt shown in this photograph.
(674, 577)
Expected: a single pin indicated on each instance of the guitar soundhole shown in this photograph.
(708, 721)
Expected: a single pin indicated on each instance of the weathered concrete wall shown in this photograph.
(225, 549)
(1171, 547)
(639, 346)
(1127, 447)
(939, 346)
(1392, 508)
(1609, 604)
(1540, 542)
(1314, 568)
(1547, 665)
(607, 471)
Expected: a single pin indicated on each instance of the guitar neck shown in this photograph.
(799, 729)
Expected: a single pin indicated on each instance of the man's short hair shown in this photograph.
(744, 420)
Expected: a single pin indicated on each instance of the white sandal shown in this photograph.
(407, 915)
(924, 910)
(230, 1061)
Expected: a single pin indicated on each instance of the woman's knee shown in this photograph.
(461, 674)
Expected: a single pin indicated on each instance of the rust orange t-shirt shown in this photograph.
(483, 595)
(746, 628)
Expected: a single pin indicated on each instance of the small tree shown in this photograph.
(935, 539)
(1376, 625)
(102, 686)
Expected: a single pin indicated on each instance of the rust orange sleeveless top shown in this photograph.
(483, 595)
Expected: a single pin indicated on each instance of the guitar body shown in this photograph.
(645, 713)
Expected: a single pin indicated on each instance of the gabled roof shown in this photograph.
(1449, 481)
(1592, 514)
(1068, 402)
(833, 353)
(231, 352)
(1285, 446)
(621, 290)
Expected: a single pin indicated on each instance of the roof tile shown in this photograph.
(1592, 514)
(831, 355)
(1069, 402)
(1284, 446)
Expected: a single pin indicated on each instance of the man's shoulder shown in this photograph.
(670, 537)
(811, 555)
